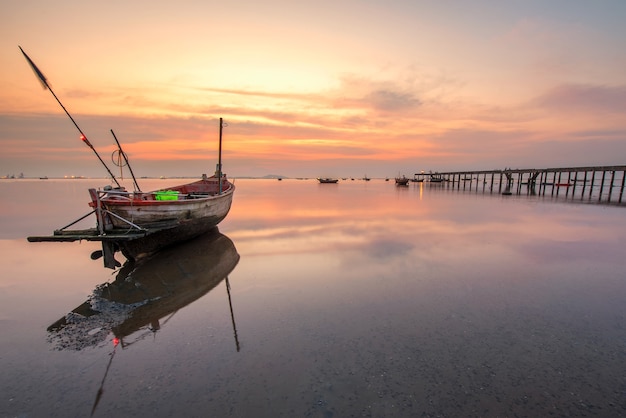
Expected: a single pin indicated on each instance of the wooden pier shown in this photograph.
(604, 184)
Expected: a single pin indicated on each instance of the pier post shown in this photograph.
(602, 185)
(569, 181)
(611, 185)
(593, 180)
(621, 190)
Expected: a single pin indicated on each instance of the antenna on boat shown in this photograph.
(83, 137)
(123, 154)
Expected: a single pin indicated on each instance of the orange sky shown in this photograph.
(314, 88)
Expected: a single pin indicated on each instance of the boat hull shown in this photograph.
(181, 231)
(162, 213)
(197, 208)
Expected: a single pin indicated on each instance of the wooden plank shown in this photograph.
(90, 235)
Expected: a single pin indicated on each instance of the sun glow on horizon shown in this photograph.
(301, 87)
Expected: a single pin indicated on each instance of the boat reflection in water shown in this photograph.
(144, 293)
(147, 291)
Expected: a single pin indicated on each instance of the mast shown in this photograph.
(219, 159)
(119, 147)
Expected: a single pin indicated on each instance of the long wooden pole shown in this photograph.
(219, 158)
(83, 137)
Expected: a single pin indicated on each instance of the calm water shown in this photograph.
(354, 299)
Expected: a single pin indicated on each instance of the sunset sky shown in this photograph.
(313, 88)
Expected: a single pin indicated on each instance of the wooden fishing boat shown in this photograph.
(138, 223)
(141, 223)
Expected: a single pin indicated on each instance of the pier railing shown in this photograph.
(604, 184)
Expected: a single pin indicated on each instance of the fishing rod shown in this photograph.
(119, 147)
(83, 137)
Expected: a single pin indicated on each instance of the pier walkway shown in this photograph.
(604, 184)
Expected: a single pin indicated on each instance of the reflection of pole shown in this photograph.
(101, 388)
(232, 314)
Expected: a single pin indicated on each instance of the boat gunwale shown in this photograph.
(130, 199)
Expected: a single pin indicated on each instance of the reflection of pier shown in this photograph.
(603, 183)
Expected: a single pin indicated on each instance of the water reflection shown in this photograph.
(146, 294)
(361, 299)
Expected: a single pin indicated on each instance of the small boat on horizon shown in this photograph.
(402, 181)
(327, 180)
(436, 178)
(418, 178)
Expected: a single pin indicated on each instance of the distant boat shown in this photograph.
(436, 178)
(366, 178)
(418, 178)
(402, 181)
(43, 178)
(327, 180)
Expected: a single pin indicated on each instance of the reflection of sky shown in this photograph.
(357, 289)
(378, 222)
(487, 248)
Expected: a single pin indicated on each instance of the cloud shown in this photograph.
(387, 100)
(374, 95)
(584, 98)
